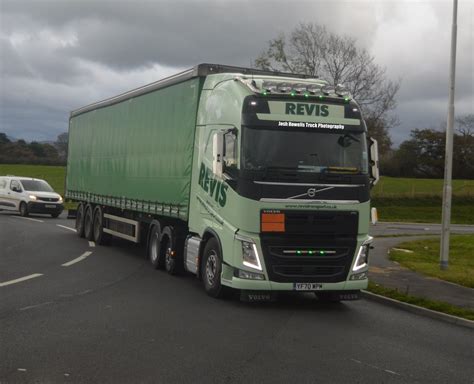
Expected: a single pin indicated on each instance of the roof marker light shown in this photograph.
(313, 88)
(284, 87)
(328, 89)
(342, 91)
(299, 88)
(269, 86)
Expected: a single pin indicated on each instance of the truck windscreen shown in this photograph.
(304, 150)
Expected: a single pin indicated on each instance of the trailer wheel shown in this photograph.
(23, 209)
(154, 247)
(100, 237)
(88, 223)
(171, 251)
(211, 270)
(80, 220)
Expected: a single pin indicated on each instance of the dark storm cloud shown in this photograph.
(58, 55)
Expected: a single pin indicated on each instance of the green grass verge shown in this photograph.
(424, 210)
(438, 306)
(425, 259)
(397, 199)
(395, 187)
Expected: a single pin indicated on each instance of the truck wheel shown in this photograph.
(80, 220)
(54, 215)
(100, 237)
(154, 247)
(170, 251)
(211, 269)
(23, 209)
(88, 224)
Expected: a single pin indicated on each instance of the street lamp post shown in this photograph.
(448, 163)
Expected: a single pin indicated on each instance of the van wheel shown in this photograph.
(211, 269)
(171, 252)
(54, 215)
(88, 224)
(80, 220)
(23, 209)
(100, 237)
(154, 247)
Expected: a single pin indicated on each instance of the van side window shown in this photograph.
(3, 184)
(15, 186)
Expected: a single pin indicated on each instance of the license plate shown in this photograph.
(307, 286)
(50, 206)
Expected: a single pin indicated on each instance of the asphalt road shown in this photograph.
(108, 317)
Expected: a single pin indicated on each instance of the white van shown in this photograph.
(27, 195)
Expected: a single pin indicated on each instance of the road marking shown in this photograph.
(35, 306)
(393, 373)
(91, 244)
(19, 280)
(85, 255)
(28, 218)
(402, 250)
(63, 226)
(22, 369)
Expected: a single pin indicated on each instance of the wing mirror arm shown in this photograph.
(373, 161)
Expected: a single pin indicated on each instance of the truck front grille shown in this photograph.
(49, 199)
(316, 247)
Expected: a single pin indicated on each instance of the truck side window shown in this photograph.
(230, 150)
(15, 186)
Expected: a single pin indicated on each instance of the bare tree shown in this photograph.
(62, 144)
(465, 125)
(313, 50)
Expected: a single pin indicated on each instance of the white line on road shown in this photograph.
(91, 244)
(402, 250)
(63, 226)
(36, 306)
(85, 255)
(19, 280)
(28, 218)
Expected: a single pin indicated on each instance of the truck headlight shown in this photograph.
(60, 199)
(362, 258)
(32, 197)
(250, 257)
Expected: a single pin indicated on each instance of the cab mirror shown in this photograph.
(373, 161)
(218, 154)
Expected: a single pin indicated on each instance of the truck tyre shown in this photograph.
(154, 247)
(171, 251)
(23, 209)
(100, 237)
(80, 220)
(54, 215)
(88, 223)
(211, 269)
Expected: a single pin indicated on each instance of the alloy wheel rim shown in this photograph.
(211, 268)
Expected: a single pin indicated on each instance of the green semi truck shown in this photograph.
(251, 180)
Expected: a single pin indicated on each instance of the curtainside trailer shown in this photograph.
(251, 180)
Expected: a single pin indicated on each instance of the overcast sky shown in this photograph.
(56, 56)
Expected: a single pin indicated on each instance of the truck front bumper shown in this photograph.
(266, 285)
